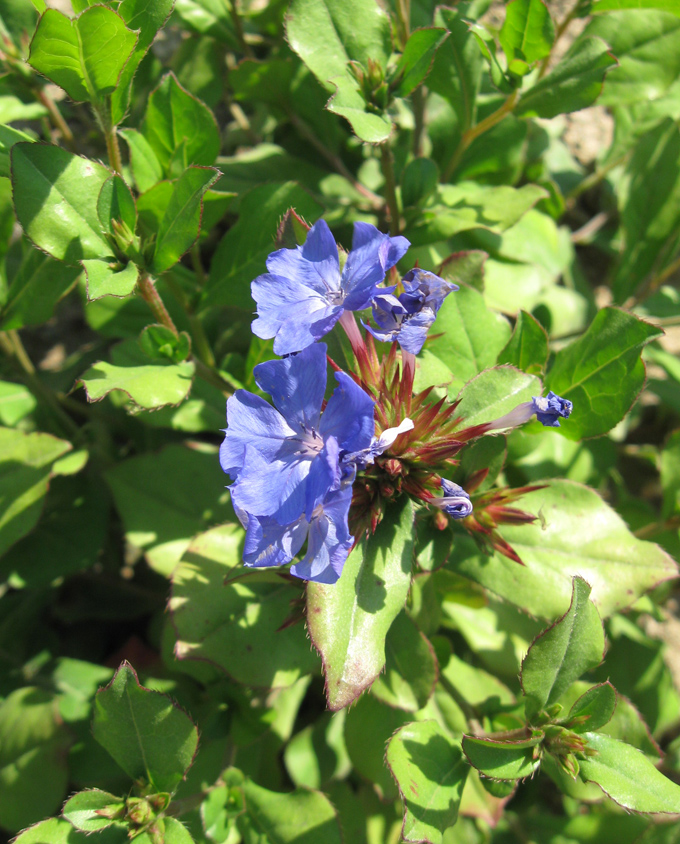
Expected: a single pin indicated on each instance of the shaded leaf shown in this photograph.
(116, 203)
(106, 278)
(416, 60)
(83, 810)
(146, 168)
(527, 349)
(593, 709)
(527, 32)
(502, 760)
(147, 734)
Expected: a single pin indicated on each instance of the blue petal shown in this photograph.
(373, 253)
(251, 421)
(414, 331)
(275, 488)
(296, 385)
(315, 264)
(349, 415)
(329, 541)
(325, 475)
(290, 312)
(270, 544)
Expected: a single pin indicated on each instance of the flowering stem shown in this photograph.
(148, 292)
(387, 165)
(479, 129)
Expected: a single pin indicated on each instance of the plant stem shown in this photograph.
(56, 117)
(657, 527)
(479, 129)
(335, 161)
(148, 292)
(418, 100)
(653, 284)
(387, 165)
(238, 26)
(593, 179)
(113, 149)
(403, 20)
(559, 32)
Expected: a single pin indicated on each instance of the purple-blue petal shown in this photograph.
(296, 385)
(349, 415)
(373, 254)
(328, 542)
(414, 331)
(270, 544)
(315, 264)
(272, 488)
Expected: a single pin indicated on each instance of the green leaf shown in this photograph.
(157, 341)
(60, 831)
(146, 168)
(106, 278)
(147, 17)
(470, 335)
(410, 667)
(502, 760)
(593, 709)
(575, 83)
(175, 832)
(149, 386)
(430, 772)
(208, 17)
(83, 810)
(601, 372)
(177, 122)
(475, 686)
(25, 469)
(85, 55)
(486, 43)
(457, 69)
(301, 817)
(419, 181)
(670, 472)
(416, 60)
(493, 393)
(181, 222)
(161, 512)
(349, 621)
(627, 776)
(561, 654)
(527, 32)
(33, 749)
(349, 103)
(650, 215)
(55, 197)
(16, 402)
(242, 252)
(18, 19)
(317, 754)
(35, 287)
(9, 137)
(326, 37)
(578, 535)
(527, 349)
(465, 268)
(647, 45)
(116, 203)
(600, 6)
(238, 626)
(147, 734)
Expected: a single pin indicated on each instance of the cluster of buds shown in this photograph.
(316, 474)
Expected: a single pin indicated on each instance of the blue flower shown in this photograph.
(455, 502)
(304, 293)
(551, 407)
(292, 482)
(406, 318)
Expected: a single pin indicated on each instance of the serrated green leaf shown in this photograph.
(600, 6)
(146, 168)
(157, 341)
(349, 621)
(527, 32)
(470, 335)
(24, 475)
(646, 43)
(105, 278)
(16, 402)
(502, 760)
(236, 626)
(465, 268)
(176, 121)
(208, 17)
(85, 55)
(575, 83)
(242, 252)
(430, 771)
(181, 222)
(577, 534)
(627, 776)
(147, 17)
(527, 349)
(601, 372)
(593, 709)
(37, 284)
(116, 203)
(410, 667)
(147, 734)
(493, 393)
(349, 103)
(670, 474)
(83, 809)
(60, 831)
(326, 37)
(562, 653)
(457, 69)
(55, 197)
(650, 215)
(416, 60)
(33, 748)
(317, 754)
